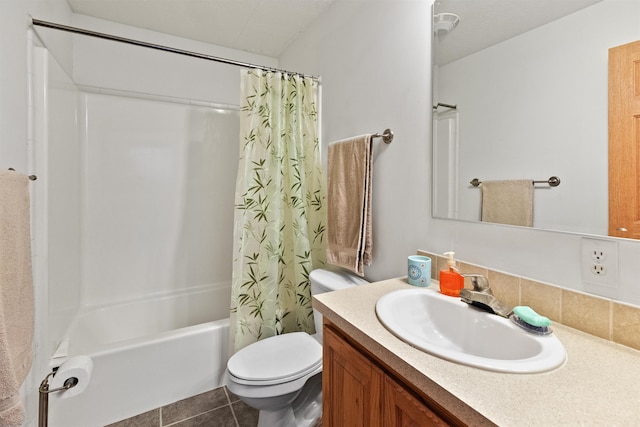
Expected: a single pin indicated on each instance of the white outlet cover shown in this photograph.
(609, 263)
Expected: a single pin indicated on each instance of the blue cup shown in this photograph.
(419, 270)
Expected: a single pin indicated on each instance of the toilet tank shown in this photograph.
(333, 279)
(330, 279)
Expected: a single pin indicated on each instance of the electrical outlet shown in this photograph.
(599, 255)
(599, 262)
(598, 269)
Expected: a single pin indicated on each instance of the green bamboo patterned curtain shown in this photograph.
(280, 212)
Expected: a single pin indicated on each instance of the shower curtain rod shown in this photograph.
(112, 37)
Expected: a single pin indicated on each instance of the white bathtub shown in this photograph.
(146, 353)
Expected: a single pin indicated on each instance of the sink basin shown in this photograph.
(453, 330)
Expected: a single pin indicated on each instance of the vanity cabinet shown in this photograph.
(357, 391)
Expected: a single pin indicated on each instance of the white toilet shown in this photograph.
(281, 376)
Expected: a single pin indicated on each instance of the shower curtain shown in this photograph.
(280, 207)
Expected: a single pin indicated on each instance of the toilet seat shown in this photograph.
(276, 360)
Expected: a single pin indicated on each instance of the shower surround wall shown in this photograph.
(158, 196)
(136, 155)
(56, 200)
(136, 199)
(136, 212)
(159, 212)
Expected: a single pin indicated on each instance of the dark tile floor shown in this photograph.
(218, 407)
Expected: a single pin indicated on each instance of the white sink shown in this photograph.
(451, 329)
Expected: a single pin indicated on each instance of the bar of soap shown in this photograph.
(528, 315)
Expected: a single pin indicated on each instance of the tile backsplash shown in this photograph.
(594, 315)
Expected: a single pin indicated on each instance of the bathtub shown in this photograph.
(146, 353)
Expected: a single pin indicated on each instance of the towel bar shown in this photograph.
(440, 104)
(31, 177)
(387, 136)
(554, 181)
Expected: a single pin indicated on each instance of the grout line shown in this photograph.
(201, 413)
(233, 412)
(561, 308)
(611, 328)
(235, 418)
(229, 404)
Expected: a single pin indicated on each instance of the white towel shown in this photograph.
(508, 202)
(349, 165)
(16, 295)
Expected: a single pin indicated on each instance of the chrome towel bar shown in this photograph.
(554, 181)
(31, 177)
(387, 136)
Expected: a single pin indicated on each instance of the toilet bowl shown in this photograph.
(281, 376)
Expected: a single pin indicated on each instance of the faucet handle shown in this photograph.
(480, 283)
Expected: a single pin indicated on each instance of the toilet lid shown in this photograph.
(277, 359)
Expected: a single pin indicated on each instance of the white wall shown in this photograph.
(13, 72)
(374, 59)
(545, 92)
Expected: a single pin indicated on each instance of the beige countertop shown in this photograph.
(598, 385)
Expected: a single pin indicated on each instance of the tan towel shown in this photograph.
(508, 202)
(349, 167)
(16, 294)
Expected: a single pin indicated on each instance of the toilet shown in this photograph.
(281, 376)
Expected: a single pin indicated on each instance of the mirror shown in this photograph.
(528, 80)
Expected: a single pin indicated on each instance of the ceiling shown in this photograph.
(484, 23)
(265, 27)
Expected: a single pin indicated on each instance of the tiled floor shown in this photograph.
(219, 408)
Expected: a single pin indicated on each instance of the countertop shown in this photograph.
(598, 385)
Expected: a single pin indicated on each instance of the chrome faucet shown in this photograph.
(482, 297)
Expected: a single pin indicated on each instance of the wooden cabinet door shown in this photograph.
(402, 409)
(351, 385)
(624, 141)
